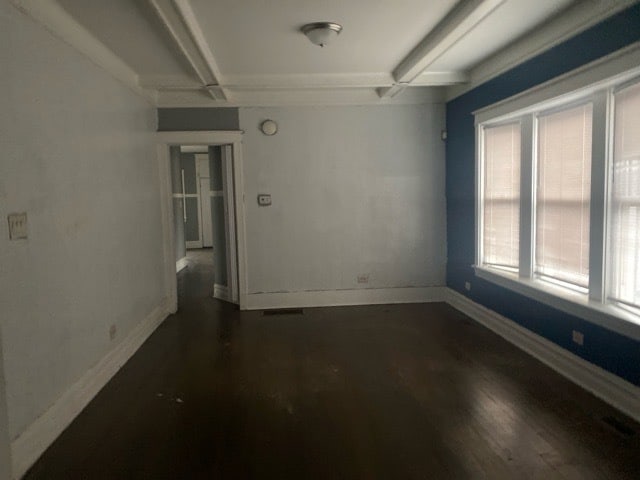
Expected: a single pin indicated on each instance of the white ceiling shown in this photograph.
(251, 52)
(258, 37)
(510, 21)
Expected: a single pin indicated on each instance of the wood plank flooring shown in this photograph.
(374, 392)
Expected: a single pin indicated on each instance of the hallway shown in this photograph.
(395, 391)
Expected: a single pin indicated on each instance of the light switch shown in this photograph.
(264, 200)
(17, 226)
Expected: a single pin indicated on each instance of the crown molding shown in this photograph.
(169, 82)
(308, 97)
(297, 81)
(575, 19)
(440, 79)
(64, 27)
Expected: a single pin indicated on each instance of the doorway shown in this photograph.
(203, 211)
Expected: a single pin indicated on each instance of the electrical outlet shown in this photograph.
(363, 278)
(112, 332)
(578, 337)
(467, 286)
(264, 200)
(17, 226)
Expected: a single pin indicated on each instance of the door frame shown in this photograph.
(201, 228)
(164, 140)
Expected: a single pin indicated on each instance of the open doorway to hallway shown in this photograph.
(203, 213)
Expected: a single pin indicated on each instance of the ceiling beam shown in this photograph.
(180, 21)
(457, 23)
(392, 91)
(57, 20)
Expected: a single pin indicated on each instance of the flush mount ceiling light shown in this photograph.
(321, 33)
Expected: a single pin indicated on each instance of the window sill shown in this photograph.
(571, 302)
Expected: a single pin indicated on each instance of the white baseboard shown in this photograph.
(32, 443)
(612, 389)
(180, 264)
(221, 292)
(333, 298)
(193, 244)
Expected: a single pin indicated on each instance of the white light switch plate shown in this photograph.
(17, 226)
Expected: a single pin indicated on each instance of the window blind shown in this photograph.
(625, 198)
(501, 199)
(563, 195)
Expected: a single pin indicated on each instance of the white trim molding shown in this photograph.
(615, 68)
(194, 244)
(566, 300)
(181, 264)
(332, 298)
(211, 137)
(608, 387)
(32, 443)
(221, 292)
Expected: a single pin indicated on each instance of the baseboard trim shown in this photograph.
(221, 292)
(608, 387)
(334, 298)
(32, 443)
(180, 264)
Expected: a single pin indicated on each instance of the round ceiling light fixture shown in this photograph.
(321, 33)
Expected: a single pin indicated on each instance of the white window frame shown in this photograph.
(594, 83)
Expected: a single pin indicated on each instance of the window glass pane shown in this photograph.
(563, 195)
(501, 202)
(625, 198)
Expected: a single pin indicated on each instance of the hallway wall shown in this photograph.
(79, 158)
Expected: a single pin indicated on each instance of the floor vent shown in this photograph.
(620, 426)
(283, 311)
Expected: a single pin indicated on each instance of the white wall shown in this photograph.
(78, 156)
(5, 450)
(355, 190)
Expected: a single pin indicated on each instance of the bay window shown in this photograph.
(558, 193)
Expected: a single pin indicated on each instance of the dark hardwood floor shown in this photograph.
(372, 392)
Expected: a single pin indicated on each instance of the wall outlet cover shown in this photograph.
(17, 226)
(363, 278)
(577, 337)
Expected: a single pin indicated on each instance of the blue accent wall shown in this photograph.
(607, 349)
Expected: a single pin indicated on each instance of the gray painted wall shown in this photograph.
(178, 119)
(191, 229)
(5, 446)
(355, 191)
(178, 214)
(217, 217)
(79, 157)
(188, 164)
